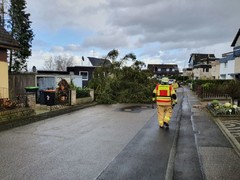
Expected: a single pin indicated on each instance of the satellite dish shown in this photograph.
(34, 69)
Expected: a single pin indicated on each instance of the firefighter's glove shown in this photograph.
(174, 96)
(153, 97)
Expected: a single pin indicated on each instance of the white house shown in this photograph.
(230, 62)
(227, 66)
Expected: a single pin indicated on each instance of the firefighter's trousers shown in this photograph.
(164, 114)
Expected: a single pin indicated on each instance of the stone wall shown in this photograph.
(15, 114)
(84, 100)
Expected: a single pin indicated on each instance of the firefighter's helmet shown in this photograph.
(165, 80)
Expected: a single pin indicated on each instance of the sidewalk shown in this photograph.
(217, 145)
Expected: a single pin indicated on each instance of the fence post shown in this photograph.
(73, 99)
(31, 100)
(92, 94)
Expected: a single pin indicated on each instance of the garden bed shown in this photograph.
(223, 110)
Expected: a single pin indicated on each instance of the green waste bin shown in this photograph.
(32, 89)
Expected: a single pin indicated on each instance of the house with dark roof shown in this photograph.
(164, 69)
(87, 71)
(230, 62)
(6, 42)
(202, 65)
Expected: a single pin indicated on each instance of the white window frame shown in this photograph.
(83, 77)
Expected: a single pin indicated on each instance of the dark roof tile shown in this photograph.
(236, 38)
(6, 40)
(99, 61)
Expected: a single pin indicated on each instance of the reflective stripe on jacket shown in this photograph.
(163, 94)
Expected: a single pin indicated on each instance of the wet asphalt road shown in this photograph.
(104, 142)
(145, 156)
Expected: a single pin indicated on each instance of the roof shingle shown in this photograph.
(6, 40)
(99, 62)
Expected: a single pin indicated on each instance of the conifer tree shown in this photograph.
(20, 29)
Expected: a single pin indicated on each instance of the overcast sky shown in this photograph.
(157, 31)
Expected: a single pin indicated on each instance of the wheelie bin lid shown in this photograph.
(31, 87)
(50, 90)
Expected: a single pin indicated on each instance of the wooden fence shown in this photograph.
(205, 95)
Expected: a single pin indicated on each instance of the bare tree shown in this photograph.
(58, 63)
(49, 64)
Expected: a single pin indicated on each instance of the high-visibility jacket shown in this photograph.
(175, 85)
(163, 94)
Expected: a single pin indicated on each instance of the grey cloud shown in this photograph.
(73, 48)
(204, 21)
(106, 41)
(124, 3)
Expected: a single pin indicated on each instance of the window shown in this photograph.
(84, 75)
(167, 69)
(159, 69)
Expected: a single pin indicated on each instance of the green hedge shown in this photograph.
(82, 92)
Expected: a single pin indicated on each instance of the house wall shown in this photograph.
(4, 80)
(196, 73)
(215, 69)
(199, 74)
(237, 65)
(3, 74)
(207, 75)
(227, 69)
(187, 73)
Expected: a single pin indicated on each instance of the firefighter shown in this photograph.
(175, 85)
(164, 94)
